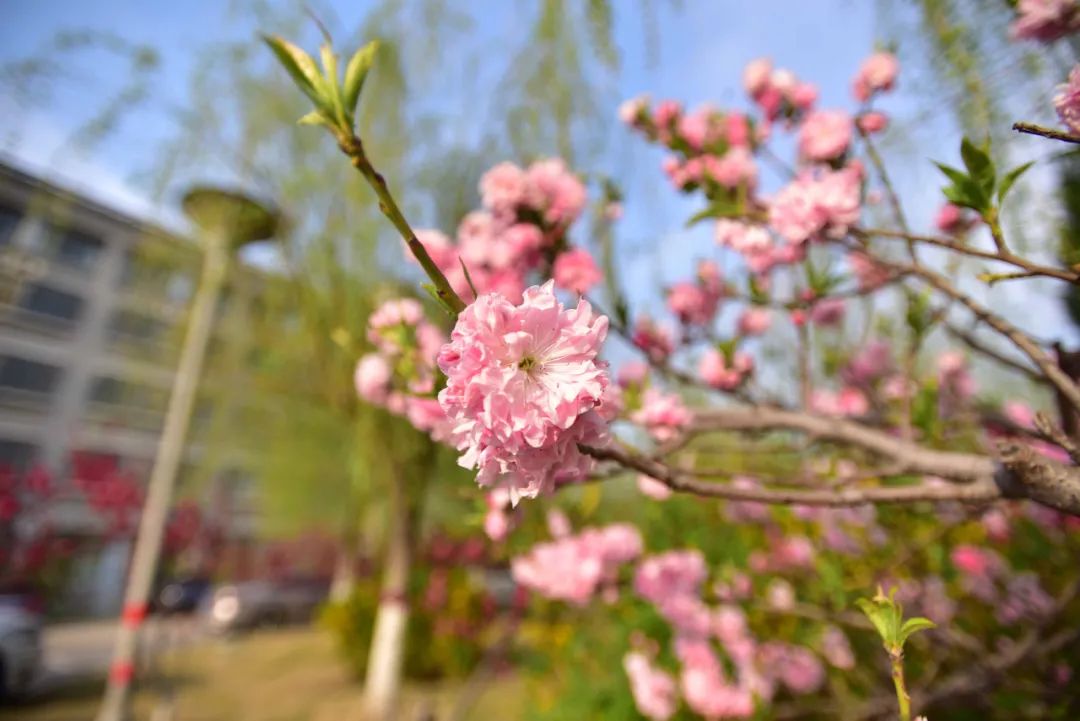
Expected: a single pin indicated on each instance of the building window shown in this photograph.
(128, 326)
(78, 249)
(51, 302)
(71, 247)
(9, 221)
(27, 375)
(116, 392)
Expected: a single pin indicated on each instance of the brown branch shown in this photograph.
(1041, 479)
(971, 341)
(1049, 432)
(910, 457)
(980, 491)
(1068, 389)
(1002, 256)
(1044, 132)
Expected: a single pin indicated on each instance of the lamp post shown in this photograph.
(226, 221)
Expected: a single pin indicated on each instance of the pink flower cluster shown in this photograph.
(522, 225)
(573, 568)
(777, 92)
(847, 402)
(1045, 20)
(400, 374)
(825, 135)
(523, 387)
(718, 372)
(824, 204)
(695, 303)
(654, 690)
(662, 414)
(876, 74)
(1067, 100)
(654, 340)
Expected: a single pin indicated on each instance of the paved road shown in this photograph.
(84, 648)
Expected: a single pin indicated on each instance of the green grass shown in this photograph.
(273, 675)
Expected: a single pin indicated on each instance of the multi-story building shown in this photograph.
(92, 304)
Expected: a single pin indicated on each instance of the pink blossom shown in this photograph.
(672, 573)
(876, 74)
(665, 114)
(1025, 600)
(974, 561)
(793, 552)
(652, 488)
(576, 270)
(502, 188)
(754, 321)
(654, 340)
(872, 363)
(427, 415)
(953, 220)
(632, 373)
(803, 95)
(691, 304)
(828, 312)
(746, 511)
(571, 568)
(554, 191)
(694, 127)
(872, 122)
(662, 414)
(373, 378)
(779, 595)
(1067, 100)
(796, 667)
(954, 379)
(704, 687)
(734, 168)
(848, 402)
(868, 273)
(737, 129)
(611, 403)
(836, 649)
(522, 386)
(631, 111)
(1019, 413)
(653, 690)
(1045, 20)
(823, 204)
(825, 135)
(716, 372)
(756, 76)
(496, 523)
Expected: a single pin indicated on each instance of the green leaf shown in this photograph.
(980, 166)
(468, 278)
(356, 73)
(299, 65)
(315, 117)
(331, 87)
(1010, 178)
(881, 615)
(914, 625)
(953, 174)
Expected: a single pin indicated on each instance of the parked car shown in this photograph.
(182, 595)
(20, 650)
(247, 605)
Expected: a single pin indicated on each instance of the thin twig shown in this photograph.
(1042, 131)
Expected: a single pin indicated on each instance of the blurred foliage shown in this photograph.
(451, 623)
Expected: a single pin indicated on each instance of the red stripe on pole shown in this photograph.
(122, 673)
(133, 614)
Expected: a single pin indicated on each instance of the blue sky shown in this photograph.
(702, 50)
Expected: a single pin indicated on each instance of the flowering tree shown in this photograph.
(810, 247)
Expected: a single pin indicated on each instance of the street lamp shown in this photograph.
(226, 222)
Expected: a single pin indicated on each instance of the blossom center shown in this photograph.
(528, 363)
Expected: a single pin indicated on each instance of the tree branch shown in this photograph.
(1002, 256)
(980, 491)
(909, 457)
(1044, 132)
